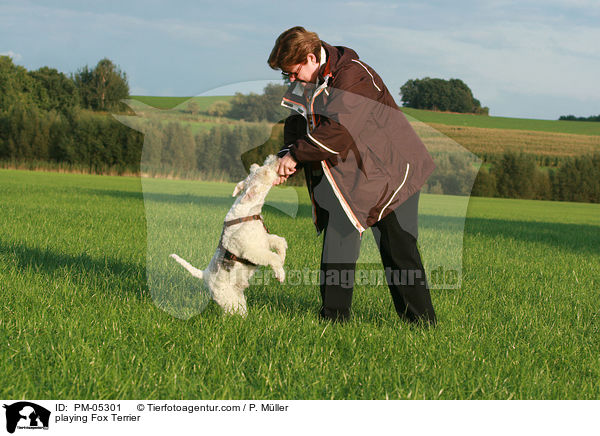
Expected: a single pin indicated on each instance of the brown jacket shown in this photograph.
(349, 128)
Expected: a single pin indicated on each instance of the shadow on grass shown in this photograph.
(576, 238)
(130, 278)
(225, 202)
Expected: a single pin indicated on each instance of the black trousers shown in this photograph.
(396, 236)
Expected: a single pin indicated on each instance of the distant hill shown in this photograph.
(483, 135)
(470, 120)
(171, 102)
(429, 117)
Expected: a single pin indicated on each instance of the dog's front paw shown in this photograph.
(280, 274)
(281, 249)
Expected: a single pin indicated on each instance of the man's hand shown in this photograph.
(287, 167)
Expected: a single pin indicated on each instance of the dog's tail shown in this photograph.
(198, 273)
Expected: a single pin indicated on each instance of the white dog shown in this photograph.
(245, 242)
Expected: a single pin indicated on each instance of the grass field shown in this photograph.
(171, 102)
(429, 117)
(494, 140)
(80, 321)
(480, 134)
(491, 122)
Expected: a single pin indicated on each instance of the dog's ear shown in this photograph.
(239, 188)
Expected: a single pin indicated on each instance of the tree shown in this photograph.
(248, 107)
(209, 145)
(574, 118)
(259, 107)
(485, 184)
(16, 86)
(273, 93)
(514, 175)
(218, 108)
(102, 88)
(578, 179)
(61, 94)
(438, 94)
(26, 132)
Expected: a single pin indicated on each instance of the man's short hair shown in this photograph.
(292, 47)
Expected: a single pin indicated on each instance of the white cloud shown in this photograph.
(524, 58)
(588, 5)
(529, 49)
(68, 22)
(12, 54)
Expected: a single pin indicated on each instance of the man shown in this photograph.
(364, 167)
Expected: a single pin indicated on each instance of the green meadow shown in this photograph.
(172, 102)
(429, 117)
(84, 318)
(482, 135)
(491, 122)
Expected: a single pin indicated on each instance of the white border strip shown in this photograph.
(252, 416)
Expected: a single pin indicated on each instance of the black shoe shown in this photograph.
(334, 315)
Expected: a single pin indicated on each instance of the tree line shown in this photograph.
(42, 120)
(512, 175)
(172, 149)
(100, 88)
(574, 118)
(42, 117)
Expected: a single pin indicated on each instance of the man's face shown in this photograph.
(306, 72)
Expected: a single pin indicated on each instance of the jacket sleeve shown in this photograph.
(293, 129)
(329, 139)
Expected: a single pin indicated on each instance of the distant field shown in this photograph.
(452, 119)
(197, 124)
(480, 134)
(486, 140)
(79, 320)
(171, 102)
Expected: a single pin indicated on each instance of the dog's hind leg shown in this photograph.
(231, 300)
(198, 273)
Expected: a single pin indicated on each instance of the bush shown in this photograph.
(454, 174)
(219, 108)
(193, 107)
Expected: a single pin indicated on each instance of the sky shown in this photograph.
(526, 58)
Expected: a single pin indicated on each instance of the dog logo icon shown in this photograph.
(26, 415)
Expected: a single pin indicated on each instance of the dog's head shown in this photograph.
(260, 180)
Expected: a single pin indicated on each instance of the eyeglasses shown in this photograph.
(292, 75)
